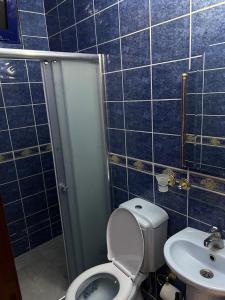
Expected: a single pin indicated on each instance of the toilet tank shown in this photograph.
(153, 221)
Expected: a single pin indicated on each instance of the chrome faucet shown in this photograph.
(215, 239)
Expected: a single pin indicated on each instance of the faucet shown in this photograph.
(215, 239)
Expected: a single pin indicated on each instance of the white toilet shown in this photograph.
(136, 234)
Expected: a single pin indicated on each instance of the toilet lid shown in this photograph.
(125, 242)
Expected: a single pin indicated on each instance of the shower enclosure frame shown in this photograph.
(46, 58)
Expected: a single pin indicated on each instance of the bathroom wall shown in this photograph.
(148, 44)
(27, 182)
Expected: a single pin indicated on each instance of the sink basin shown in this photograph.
(198, 266)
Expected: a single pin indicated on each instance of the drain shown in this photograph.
(207, 273)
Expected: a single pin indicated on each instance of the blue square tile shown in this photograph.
(112, 55)
(210, 211)
(167, 80)
(170, 41)
(20, 74)
(49, 4)
(40, 237)
(37, 219)
(69, 40)
(31, 185)
(34, 70)
(139, 145)
(47, 161)
(198, 4)
(136, 50)
(66, 14)
(177, 222)
(118, 176)
(167, 116)
(23, 138)
(196, 63)
(34, 203)
(114, 87)
(101, 4)
(50, 179)
(5, 144)
(214, 104)
(3, 122)
(194, 104)
(55, 43)
(167, 150)
(214, 81)
(163, 10)
(118, 197)
(34, 6)
(195, 82)
(115, 114)
(215, 57)
(205, 28)
(28, 166)
(16, 94)
(7, 172)
(86, 33)
(214, 126)
(10, 192)
(37, 93)
(107, 24)
(20, 116)
(17, 230)
(34, 43)
(140, 184)
(14, 211)
(138, 116)
(137, 84)
(40, 114)
(52, 197)
(56, 229)
(198, 225)
(175, 200)
(43, 134)
(32, 24)
(83, 9)
(213, 156)
(134, 15)
(52, 21)
(116, 141)
(21, 246)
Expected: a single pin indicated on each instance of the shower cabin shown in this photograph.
(74, 92)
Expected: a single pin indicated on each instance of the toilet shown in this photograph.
(136, 234)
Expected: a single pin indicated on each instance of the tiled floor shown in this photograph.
(42, 272)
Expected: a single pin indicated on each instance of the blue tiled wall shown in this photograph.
(148, 45)
(27, 182)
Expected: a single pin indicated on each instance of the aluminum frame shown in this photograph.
(46, 55)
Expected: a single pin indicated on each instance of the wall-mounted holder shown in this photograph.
(168, 178)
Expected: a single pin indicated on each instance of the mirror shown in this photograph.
(204, 113)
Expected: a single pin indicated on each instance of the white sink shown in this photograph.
(186, 255)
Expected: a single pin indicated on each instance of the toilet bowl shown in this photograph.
(136, 233)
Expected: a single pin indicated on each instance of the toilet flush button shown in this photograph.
(138, 207)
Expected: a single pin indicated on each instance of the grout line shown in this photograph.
(152, 106)
(124, 114)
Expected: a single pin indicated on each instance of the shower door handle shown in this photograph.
(62, 187)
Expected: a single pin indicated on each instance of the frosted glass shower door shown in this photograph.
(73, 92)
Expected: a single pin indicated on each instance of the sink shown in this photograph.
(201, 268)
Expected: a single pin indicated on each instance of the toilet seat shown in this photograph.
(126, 285)
(125, 245)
